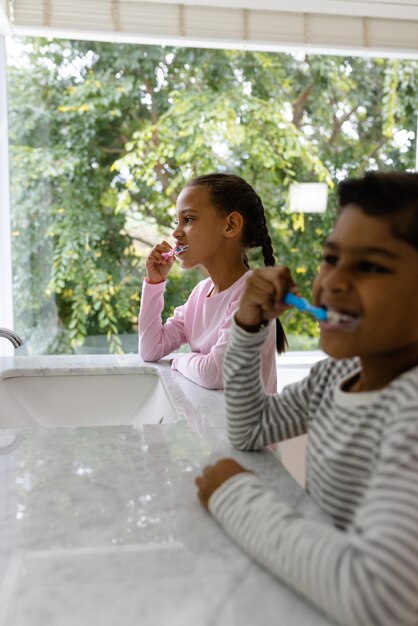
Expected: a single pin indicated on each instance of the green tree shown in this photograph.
(104, 136)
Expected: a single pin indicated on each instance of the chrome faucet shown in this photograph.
(11, 336)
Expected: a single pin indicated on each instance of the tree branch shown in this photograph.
(300, 104)
(145, 211)
(338, 123)
(136, 238)
(159, 168)
(375, 150)
(113, 150)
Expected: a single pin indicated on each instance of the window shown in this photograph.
(103, 136)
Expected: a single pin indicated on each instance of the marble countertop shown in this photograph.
(103, 526)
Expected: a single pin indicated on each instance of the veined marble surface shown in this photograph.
(103, 526)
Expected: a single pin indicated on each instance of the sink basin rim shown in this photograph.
(77, 370)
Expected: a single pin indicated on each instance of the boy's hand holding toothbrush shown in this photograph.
(263, 297)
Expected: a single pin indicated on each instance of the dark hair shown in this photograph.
(390, 195)
(232, 193)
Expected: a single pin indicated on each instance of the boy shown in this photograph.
(360, 409)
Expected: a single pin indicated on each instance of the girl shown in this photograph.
(218, 217)
(360, 409)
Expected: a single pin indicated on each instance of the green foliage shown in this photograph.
(73, 262)
(102, 135)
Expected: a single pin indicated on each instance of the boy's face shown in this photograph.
(371, 277)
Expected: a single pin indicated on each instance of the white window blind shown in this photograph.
(220, 26)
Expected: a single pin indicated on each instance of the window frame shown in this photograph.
(6, 288)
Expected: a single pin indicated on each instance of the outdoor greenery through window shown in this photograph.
(104, 136)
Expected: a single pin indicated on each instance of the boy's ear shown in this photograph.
(234, 224)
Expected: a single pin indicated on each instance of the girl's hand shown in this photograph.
(262, 298)
(157, 267)
(213, 476)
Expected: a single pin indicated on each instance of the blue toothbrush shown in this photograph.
(303, 305)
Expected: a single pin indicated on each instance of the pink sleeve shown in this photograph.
(155, 339)
(206, 369)
(203, 369)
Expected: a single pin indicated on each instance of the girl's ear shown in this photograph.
(234, 224)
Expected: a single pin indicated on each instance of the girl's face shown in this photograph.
(371, 277)
(201, 226)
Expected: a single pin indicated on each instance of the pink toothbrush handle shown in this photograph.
(167, 255)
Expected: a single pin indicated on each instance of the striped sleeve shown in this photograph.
(365, 576)
(256, 419)
(367, 573)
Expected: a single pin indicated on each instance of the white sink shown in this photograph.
(84, 397)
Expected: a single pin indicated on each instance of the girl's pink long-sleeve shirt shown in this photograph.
(203, 322)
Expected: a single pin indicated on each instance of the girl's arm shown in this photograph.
(155, 339)
(364, 576)
(206, 370)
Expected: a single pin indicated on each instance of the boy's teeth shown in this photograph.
(339, 318)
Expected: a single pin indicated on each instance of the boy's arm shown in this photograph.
(254, 418)
(364, 576)
(155, 339)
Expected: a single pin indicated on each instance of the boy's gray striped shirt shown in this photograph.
(362, 470)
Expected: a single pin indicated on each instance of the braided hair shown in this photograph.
(232, 193)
